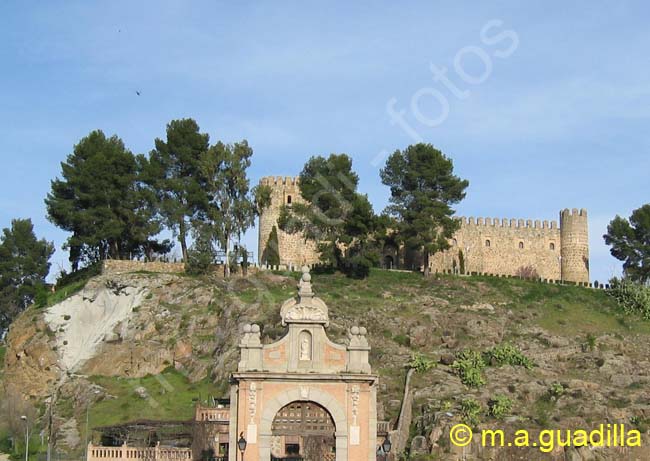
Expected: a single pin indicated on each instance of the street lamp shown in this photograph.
(24, 418)
(384, 448)
(241, 444)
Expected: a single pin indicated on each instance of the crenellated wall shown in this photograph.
(503, 246)
(500, 246)
(293, 249)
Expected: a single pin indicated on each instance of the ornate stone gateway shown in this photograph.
(304, 397)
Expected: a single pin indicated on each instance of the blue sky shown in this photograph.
(548, 105)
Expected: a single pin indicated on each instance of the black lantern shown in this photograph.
(241, 443)
(386, 446)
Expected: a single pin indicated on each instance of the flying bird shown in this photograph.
(137, 92)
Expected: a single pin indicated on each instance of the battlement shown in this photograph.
(574, 212)
(508, 222)
(279, 181)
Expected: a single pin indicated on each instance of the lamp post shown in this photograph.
(241, 444)
(24, 419)
(384, 449)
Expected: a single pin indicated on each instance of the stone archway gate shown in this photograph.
(304, 366)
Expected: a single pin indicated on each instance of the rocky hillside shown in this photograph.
(144, 345)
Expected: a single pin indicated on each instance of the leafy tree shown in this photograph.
(271, 253)
(229, 205)
(335, 216)
(630, 242)
(172, 173)
(24, 264)
(423, 188)
(100, 201)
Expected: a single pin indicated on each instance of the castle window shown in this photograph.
(487, 243)
(288, 200)
(551, 246)
(455, 242)
(521, 245)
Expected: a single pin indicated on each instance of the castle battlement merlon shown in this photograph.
(573, 212)
(508, 223)
(279, 181)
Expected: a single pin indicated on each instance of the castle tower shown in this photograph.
(574, 241)
(292, 248)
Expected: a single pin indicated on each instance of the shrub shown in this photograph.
(81, 275)
(471, 410)
(632, 298)
(499, 406)
(527, 272)
(469, 367)
(589, 344)
(402, 340)
(555, 391)
(200, 257)
(507, 354)
(420, 363)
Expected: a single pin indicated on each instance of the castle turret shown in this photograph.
(574, 241)
(292, 248)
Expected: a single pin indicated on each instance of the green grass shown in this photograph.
(171, 397)
(63, 293)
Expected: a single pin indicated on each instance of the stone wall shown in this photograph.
(118, 266)
(503, 246)
(489, 245)
(293, 248)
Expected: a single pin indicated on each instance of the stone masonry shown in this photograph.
(488, 245)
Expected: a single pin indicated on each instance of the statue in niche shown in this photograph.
(305, 346)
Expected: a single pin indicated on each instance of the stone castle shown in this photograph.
(484, 245)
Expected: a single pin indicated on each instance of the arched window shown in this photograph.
(487, 243)
(454, 242)
(521, 245)
(551, 246)
(288, 200)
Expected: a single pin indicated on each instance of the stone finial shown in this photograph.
(305, 308)
(305, 292)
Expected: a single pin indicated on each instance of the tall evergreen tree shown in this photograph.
(423, 189)
(630, 242)
(24, 264)
(229, 205)
(172, 173)
(271, 254)
(338, 218)
(99, 201)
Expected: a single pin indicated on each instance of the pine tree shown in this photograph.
(24, 264)
(423, 189)
(172, 173)
(98, 200)
(335, 216)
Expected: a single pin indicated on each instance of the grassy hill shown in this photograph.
(590, 360)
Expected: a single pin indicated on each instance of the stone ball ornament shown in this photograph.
(248, 328)
(255, 328)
